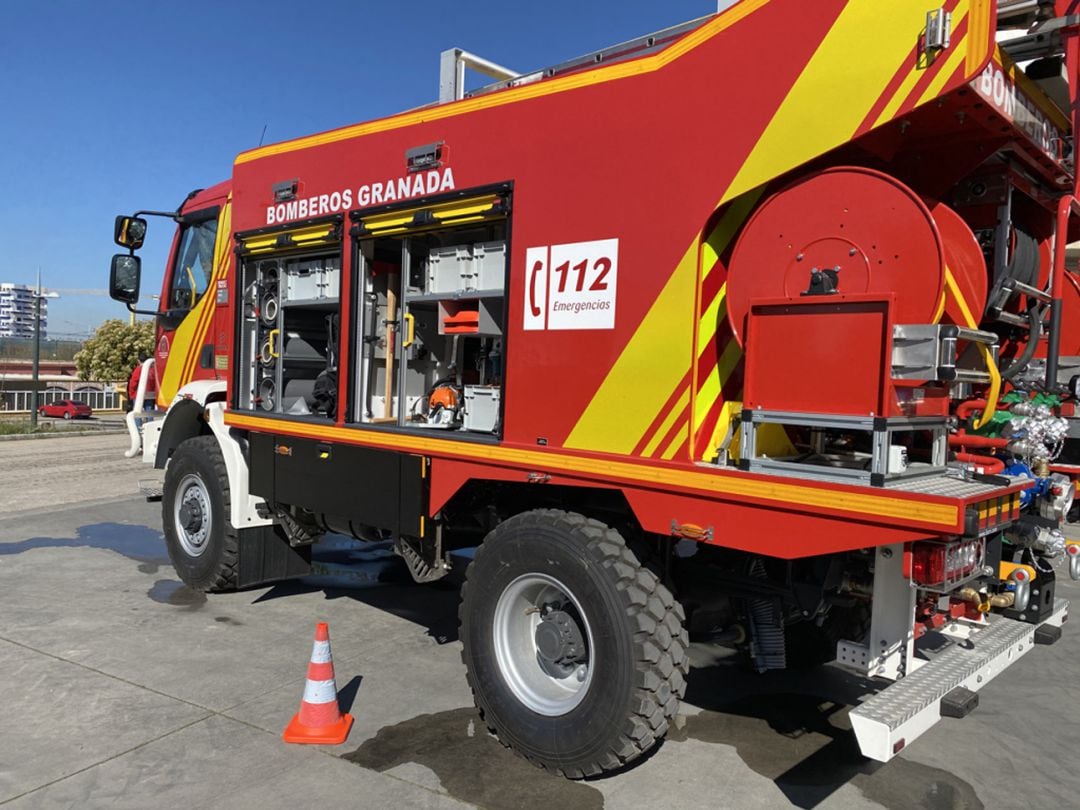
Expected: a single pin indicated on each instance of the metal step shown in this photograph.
(888, 721)
(151, 489)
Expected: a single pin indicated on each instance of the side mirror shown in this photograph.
(124, 278)
(130, 232)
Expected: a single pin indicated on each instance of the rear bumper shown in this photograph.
(890, 720)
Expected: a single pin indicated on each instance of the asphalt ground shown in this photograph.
(122, 688)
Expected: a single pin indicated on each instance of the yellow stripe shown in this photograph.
(221, 256)
(901, 93)
(714, 383)
(186, 341)
(855, 61)
(709, 483)
(717, 241)
(978, 36)
(676, 442)
(647, 372)
(665, 426)
(587, 78)
(710, 320)
(953, 61)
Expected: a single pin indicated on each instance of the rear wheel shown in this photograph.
(203, 545)
(67, 414)
(576, 653)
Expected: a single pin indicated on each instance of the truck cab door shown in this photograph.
(185, 310)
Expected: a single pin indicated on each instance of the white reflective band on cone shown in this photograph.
(320, 653)
(319, 692)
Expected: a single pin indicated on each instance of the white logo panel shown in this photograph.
(572, 286)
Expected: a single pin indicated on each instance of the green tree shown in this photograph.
(114, 350)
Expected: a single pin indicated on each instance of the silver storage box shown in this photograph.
(488, 270)
(459, 268)
(312, 280)
(482, 408)
(447, 268)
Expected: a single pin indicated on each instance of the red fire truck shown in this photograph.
(756, 330)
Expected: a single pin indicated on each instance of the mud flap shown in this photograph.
(266, 556)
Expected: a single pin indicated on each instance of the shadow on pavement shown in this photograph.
(472, 765)
(145, 546)
(792, 728)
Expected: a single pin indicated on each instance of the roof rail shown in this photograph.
(454, 61)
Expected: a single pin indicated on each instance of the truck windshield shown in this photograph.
(194, 265)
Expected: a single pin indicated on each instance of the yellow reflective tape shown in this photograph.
(307, 235)
(660, 352)
(573, 81)
(457, 210)
(669, 420)
(856, 60)
(710, 483)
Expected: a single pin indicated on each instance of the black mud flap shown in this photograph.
(266, 556)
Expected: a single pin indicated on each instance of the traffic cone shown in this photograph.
(319, 720)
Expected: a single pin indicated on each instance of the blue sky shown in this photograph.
(107, 106)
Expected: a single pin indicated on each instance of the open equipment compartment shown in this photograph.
(291, 293)
(432, 311)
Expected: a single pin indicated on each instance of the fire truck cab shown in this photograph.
(781, 360)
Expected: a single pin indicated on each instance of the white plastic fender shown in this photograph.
(243, 512)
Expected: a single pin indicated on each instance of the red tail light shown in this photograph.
(943, 565)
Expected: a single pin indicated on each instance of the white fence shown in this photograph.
(101, 396)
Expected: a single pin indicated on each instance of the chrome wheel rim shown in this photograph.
(543, 644)
(192, 516)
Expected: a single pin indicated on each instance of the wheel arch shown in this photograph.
(185, 418)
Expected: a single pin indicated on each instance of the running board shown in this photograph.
(893, 718)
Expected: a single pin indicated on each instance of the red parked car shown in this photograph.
(67, 408)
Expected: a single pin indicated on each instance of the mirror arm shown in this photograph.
(173, 215)
(134, 311)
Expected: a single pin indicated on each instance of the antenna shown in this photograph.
(263, 134)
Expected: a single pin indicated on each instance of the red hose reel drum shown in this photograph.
(877, 231)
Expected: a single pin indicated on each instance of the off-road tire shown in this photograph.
(640, 658)
(215, 570)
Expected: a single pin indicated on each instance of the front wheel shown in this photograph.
(576, 653)
(67, 414)
(203, 545)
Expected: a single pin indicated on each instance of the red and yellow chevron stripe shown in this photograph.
(190, 336)
(683, 384)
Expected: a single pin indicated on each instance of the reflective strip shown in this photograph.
(320, 691)
(320, 653)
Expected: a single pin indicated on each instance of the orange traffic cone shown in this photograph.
(319, 720)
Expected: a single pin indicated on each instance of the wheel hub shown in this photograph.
(191, 516)
(558, 638)
(543, 644)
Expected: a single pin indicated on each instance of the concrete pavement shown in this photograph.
(125, 689)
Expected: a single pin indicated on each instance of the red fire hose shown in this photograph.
(965, 440)
(990, 465)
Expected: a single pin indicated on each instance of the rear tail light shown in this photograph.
(943, 565)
